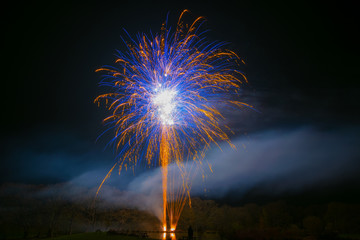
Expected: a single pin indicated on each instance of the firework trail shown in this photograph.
(163, 98)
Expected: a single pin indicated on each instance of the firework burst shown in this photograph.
(164, 96)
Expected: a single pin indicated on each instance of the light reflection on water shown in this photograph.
(166, 236)
(181, 235)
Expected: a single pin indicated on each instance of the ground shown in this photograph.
(94, 236)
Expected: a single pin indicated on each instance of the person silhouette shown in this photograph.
(190, 233)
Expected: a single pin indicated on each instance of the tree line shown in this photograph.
(24, 214)
(274, 220)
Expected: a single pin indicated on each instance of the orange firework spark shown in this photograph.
(164, 100)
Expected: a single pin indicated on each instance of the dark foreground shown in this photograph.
(95, 236)
(107, 236)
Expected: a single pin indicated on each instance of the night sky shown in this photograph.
(301, 63)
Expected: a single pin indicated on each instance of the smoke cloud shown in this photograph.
(278, 160)
(286, 160)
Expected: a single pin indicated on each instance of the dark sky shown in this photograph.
(301, 63)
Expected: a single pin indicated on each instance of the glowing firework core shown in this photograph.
(165, 105)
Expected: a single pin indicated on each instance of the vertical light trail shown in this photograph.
(164, 161)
